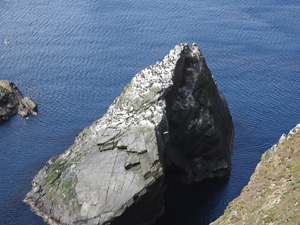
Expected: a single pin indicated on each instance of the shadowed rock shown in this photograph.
(170, 117)
(12, 102)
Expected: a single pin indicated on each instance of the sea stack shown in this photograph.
(171, 118)
(13, 102)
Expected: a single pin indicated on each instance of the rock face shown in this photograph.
(170, 117)
(273, 192)
(12, 102)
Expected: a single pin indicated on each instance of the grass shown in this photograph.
(3, 89)
(273, 193)
(6, 91)
(59, 188)
(67, 190)
(53, 174)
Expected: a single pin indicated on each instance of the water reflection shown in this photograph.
(196, 203)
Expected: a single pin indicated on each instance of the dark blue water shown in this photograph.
(75, 57)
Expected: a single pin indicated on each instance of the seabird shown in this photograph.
(6, 42)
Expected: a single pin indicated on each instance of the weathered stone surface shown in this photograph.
(171, 116)
(12, 102)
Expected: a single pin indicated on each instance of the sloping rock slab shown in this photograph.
(171, 116)
(12, 102)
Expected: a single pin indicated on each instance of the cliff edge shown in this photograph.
(170, 117)
(272, 195)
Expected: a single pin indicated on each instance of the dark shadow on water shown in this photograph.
(197, 203)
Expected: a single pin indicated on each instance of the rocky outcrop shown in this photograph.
(12, 102)
(170, 117)
(272, 194)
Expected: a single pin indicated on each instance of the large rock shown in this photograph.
(12, 102)
(170, 117)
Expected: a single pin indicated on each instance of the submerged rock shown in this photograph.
(170, 117)
(12, 102)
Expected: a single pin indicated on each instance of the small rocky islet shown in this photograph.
(171, 118)
(12, 102)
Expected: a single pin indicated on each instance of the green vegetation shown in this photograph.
(273, 193)
(53, 174)
(4, 90)
(58, 187)
(67, 190)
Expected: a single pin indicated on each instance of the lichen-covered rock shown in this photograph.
(273, 192)
(171, 116)
(12, 102)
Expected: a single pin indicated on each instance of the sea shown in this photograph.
(75, 57)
